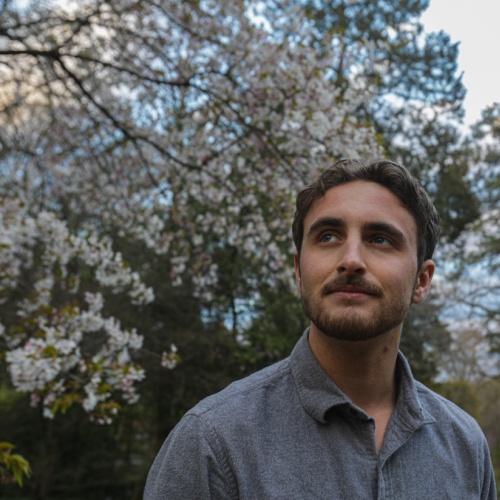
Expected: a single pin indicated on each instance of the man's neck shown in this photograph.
(363, 370)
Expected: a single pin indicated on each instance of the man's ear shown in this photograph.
(423, 284)
(296, 265)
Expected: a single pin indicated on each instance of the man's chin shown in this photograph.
(351, 326)
(350, 335)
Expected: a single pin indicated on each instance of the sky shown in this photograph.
(475, 24)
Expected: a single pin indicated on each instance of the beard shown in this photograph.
(349, 324)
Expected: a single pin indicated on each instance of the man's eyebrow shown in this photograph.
(386, 228)
(322, 222)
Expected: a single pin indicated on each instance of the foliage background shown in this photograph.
(150, 153)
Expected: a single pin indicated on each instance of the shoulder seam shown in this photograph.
(231, 391)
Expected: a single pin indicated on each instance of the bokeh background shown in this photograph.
(150, 154)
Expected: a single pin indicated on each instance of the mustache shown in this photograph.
(354, 280)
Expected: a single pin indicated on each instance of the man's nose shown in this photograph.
(351, 258)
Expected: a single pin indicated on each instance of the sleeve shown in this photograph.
(489, 491)
(188, 467)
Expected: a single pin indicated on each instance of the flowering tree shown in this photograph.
(185, 126)
(51, 345)
(477, 250)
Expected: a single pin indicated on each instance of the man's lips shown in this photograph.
(349, 293)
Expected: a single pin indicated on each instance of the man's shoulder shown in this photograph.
(444, 411)
(247, 394)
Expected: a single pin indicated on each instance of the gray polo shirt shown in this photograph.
(288, 432)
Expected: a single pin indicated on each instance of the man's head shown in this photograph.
(388, 174)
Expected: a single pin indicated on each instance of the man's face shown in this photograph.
(357, 273)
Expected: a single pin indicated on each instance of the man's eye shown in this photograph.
(327, 238)
(381, 240)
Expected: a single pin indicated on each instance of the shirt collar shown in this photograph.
(318, 394)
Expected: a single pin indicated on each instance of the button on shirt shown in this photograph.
(288, 432)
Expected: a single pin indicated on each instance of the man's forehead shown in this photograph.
(361, 201)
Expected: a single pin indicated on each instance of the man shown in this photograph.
(342, 417)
